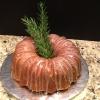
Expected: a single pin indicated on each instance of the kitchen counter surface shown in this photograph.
(90, 51)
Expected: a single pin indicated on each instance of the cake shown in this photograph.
(48, 75)
(43, 62)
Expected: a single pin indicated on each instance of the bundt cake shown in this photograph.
(46, 74)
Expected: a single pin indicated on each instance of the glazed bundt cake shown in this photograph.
(46, 74)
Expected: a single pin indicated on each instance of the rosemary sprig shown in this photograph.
(39, 32)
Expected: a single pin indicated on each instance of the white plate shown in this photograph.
(24, 94)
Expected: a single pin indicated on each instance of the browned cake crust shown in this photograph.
(48, 75)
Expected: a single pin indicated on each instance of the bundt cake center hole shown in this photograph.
(53, 56)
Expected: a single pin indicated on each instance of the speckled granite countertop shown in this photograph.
(90, 51)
